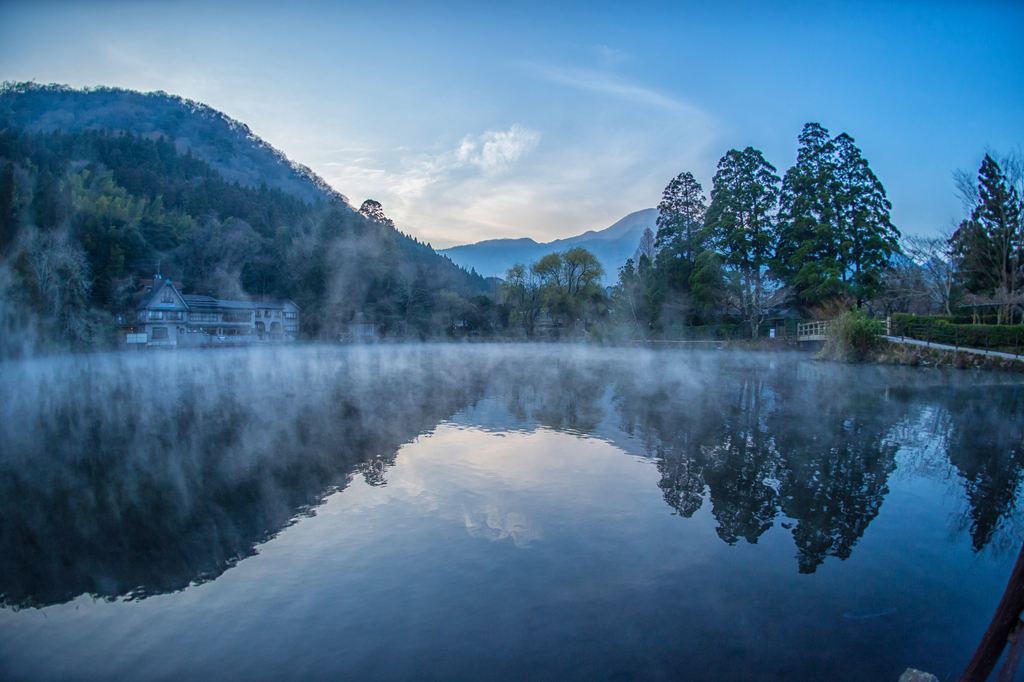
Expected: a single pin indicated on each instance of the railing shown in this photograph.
(813, 331)
(961, 336)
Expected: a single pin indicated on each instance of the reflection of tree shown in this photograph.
(832, 434)
(986, 445)
(673, 435)
(563, 395)
(813, 446)
(743, 468)
(173, 471)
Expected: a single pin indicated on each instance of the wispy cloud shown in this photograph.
(611, 56)
(606, 83)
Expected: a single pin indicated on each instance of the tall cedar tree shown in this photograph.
(834, 232)
(808, 247)
(739, 224)
(869, 239)
(680, 230)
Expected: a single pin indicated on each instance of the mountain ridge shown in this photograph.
(194, 126)
(612, 246)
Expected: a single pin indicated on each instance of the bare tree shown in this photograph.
(937, 259)
(648, 247)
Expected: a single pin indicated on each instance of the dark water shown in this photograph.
(500, 512)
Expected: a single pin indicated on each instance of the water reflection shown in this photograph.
(127, 476)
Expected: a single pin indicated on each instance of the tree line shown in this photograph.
(85, 216)
(815, 241)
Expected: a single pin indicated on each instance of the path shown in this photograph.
(956, 349)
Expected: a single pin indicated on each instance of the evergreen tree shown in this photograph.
(681, 218)
(807, 255)
(834, 233)
(991, 244)
(8, 226)
(869, 238)
(739, 225)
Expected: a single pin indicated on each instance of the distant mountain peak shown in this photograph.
(612, 246)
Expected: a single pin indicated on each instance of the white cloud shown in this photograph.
(493, 152)
(490, 154)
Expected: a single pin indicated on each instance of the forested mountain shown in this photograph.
(97, 192)
(612, 246)
(227, 145)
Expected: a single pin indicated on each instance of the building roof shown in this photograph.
(206, 302)
(195, 302)
(158, 286)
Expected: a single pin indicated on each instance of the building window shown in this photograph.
(204, 317)
(159, 333)
(174, 315)
(290, 316)
(277, 313)
(291, 328)
(142, 316)
(156, 315)
(237, 317)
(259, 313)
(166, 298)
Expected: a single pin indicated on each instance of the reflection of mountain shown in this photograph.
(130, 476)
(171, 474)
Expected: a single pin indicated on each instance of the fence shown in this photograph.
(813, 331)
(987, 337)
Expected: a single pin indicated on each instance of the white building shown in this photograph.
(165, 318)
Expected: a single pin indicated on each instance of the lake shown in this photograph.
(506, 512)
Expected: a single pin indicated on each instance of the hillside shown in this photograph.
(96, 193)
(229, 146)
(612, 246)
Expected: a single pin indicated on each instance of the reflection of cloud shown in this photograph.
(496, 523)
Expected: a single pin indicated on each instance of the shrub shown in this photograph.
(852, 337)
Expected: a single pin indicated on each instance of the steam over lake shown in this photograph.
(500, 512)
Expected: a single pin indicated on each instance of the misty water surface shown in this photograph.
(500, 512)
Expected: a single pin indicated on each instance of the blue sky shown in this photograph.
(469, 121)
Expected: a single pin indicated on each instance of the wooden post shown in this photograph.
(1005, 619)
(1008, 673)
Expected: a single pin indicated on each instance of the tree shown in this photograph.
(937, 260)
(834, 233)
(569, 281)
(808, 247)
(991, 242)
(521, 291)
(648, 246)
(631, 296)
(681, 219)
(8, 226)
(372, 210)
(739, 224)
(869, 239)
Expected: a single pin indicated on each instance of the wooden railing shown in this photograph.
(813, 331)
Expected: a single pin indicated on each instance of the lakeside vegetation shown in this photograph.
(89, 212)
